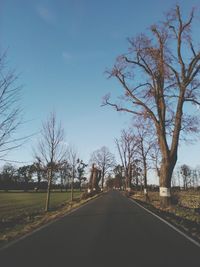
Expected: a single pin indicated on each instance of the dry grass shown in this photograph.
(16, 205)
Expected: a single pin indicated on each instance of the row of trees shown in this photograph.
(160, 79)
(138, 151)
(55, 164)
(186, 177)
(34, 177)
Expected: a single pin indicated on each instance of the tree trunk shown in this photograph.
(38, 180)
(128, 186)
(129, 178)
(61, 184)
(145, 179)
(80, 186)
(25, 184)
(102, 178)
(72, 190)
(136, 180)
(166, 171)
(48, 191)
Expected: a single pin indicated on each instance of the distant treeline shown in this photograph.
(30, 177)
(33, 186)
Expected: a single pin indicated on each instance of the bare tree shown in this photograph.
(194, 178)
(145, 137)
(170, 80)
(119, 179)
(81, 171)
(155, 158)
(104, 160)
(127, 147)
(186, 172)
(72, 158)
(51, 150)
(10, 111)
(176, 177)
(198, 174)
(95, 177)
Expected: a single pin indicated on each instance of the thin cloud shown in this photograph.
(46, 14)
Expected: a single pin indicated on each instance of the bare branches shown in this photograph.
(117, 107)
(51, 147)
(10, 112)
(104, 160)
(127, 146)
(51, 150)
(170, 78)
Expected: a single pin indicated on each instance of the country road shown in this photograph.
(110, 231)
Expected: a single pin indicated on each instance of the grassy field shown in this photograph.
(16, 206)
(21, 213)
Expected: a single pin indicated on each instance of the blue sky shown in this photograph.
(61, 50)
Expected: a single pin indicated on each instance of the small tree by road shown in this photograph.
(51, 150)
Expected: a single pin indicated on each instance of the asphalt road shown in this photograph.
(110, 231)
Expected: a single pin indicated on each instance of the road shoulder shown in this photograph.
(164, 216)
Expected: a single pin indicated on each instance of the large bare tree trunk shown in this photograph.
(166, 170)
(171, 80)
(99, 178)
(94, 179)
(128, 179)
(91, 179)
(145, 181)
(102, 178)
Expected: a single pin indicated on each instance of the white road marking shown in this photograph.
(169, 224)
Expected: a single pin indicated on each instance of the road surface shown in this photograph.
(110, 231)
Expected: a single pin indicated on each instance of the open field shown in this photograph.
(21, 213)
(184, 212)
(17, 205)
